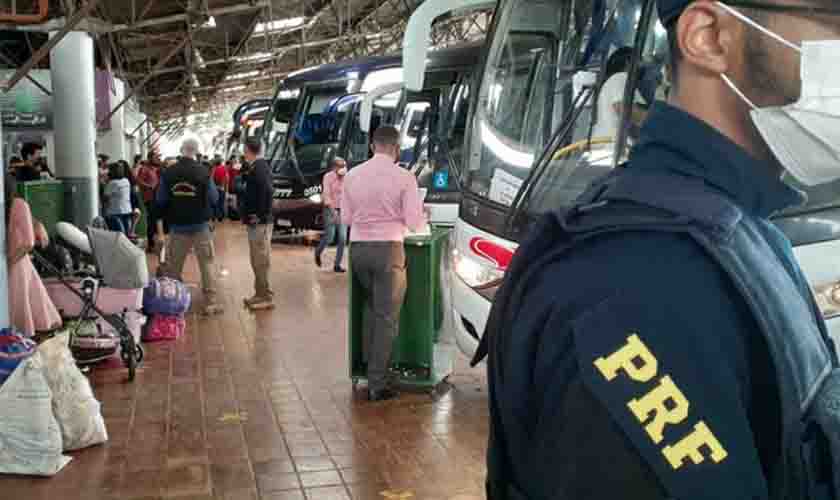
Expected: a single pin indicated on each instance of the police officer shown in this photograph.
(186, 197)
(658, 339)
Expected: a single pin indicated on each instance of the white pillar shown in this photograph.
(74, 108)
(112, 142)
(4, 274)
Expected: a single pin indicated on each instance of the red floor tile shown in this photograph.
(259, 406)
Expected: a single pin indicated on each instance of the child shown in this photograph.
(118, 212)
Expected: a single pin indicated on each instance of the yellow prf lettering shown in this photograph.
(689, 447)
(634, 358)
(654, 403)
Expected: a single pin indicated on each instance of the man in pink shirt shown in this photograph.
(333, 184)
(380, 202)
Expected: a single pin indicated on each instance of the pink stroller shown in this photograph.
(110, 295)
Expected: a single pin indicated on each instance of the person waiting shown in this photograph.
(334, 230)
(117, 193)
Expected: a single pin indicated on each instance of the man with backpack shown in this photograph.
(185, 200)
(658, 340)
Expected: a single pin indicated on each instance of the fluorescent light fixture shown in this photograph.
(195, 81)
(245, 74)
(199, 59)
(234, 89)
(280, 24)
(254, 57)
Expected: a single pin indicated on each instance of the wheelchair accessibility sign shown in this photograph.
(441, 179)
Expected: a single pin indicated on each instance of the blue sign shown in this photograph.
(442, 179)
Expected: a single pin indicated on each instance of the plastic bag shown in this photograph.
(14, 349)
(30, 438)
(75, 408)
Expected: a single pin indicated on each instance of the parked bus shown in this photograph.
(432, 124)
(247, 123)
(562, 92)
(316, 106)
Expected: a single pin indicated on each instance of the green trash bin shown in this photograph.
(419, 358)
(46, 201)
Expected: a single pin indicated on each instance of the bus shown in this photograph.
(316, 107)
(247, 124)
(432, 124)
(561, 95)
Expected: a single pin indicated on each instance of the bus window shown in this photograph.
(591, 148)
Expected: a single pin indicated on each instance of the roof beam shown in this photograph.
(45, 49)
(175, 18)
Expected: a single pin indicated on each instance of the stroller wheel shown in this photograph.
(132, 367)
(132, 355)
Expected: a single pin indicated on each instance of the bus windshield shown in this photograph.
(547, 62)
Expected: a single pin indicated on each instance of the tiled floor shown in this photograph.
(248, 407)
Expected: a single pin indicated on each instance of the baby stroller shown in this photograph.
(120, 265)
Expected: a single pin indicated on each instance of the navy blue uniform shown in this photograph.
(557, 397)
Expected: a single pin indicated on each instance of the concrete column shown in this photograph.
(74, 108)
(4, 273)
(113, 142)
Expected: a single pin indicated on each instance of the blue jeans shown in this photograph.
(119, 223)
(333, 230)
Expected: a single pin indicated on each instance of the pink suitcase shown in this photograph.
(164, 327)
(110, 300)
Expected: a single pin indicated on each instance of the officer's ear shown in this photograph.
(708, 39)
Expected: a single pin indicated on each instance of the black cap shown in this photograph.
(670, 10)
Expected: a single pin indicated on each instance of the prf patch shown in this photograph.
(661, 406)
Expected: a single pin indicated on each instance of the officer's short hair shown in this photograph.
(189, 148)
(337, 160)
(254, 146)
(386, 136)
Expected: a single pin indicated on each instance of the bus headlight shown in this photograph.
(475, 273)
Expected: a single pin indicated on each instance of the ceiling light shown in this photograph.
(195, 81)
(234, 89)
(254, 57)
(210, 23)
(246, 74)
(199, 59)
(279, 24)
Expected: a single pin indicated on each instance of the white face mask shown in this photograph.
(804, 136)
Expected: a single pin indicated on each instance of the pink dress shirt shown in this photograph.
(381, 201)
(333, 186)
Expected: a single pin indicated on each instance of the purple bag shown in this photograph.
(166, 296)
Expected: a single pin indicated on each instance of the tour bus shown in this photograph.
(316, 106)
(247, 123)
(432, 124)
(564, 87)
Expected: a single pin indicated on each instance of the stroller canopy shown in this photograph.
(122, 264)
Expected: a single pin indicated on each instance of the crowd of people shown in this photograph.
(127, 192)
(182, 198)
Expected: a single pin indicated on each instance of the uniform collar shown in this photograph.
(675, 140)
